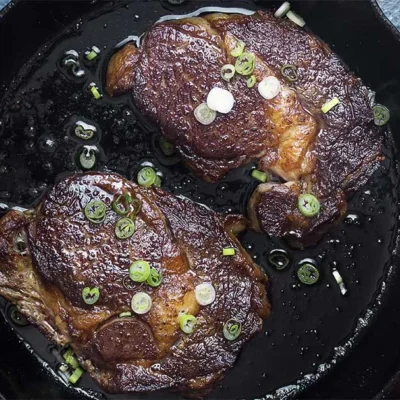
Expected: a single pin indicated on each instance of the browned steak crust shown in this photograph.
(328, 155)
(182, 239)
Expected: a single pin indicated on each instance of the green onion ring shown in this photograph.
(187, 322)
(139, 271)
(155, 278)
(251, 81)
(308, 274)
(239, 48)
(95, 211)
(124, 228)
(17, 318)
(146, 177)
(166, 147)
(289, 72)
(381, 114)
(122, 204)
(245, 64)
(227, 72)
(232, 329)
(308, 205)
(90, 295)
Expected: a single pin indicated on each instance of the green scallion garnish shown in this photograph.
(251, 81)
(122, 204)
(228, 251)
(308, 205)
(155, 278)
(239, 48)
(90, 295)
(308, 274)
(232, 329)
(76, 375)
(95, 211)
(381, 114)
(259, 175)
(139, 271)
(187, 322)
(147, 177)
(245, 64)
(289, 72)
(70, 358)
(124, 228)
(329, 105)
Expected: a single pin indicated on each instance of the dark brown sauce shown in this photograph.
(309, 326)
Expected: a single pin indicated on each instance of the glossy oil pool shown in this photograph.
(310, 328)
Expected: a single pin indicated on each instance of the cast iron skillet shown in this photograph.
(353, 338)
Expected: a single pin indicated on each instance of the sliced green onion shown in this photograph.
(228, 251)
(70, 358)
(339, 281)
(204, 293)
(308, 274)
(136, 207)
(296, 18)
(289, 72)
(227, 72)
(95, 91)
(92, 54)
(239, 48)
(139, 271)
(278, 259)
(124, 228)
(122, 204)
(155, 278)
(187, 322)
(146, 177)
(308, 205)
(74, 378)
(220, 100)
(157, 182)
(83, 133)
(251, 81)
(259, 175)
(63, 367)
(381, 114)
(141, 303)
(95, 211)
(90, 295)
(87, 159)
(282, 10)
(204, 114)
(166, 147)
(245, 64)
(269, 87)
(232, 329)
(125, 314)
(18, 318)
(329, 105)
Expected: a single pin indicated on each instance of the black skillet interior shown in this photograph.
(310, 329)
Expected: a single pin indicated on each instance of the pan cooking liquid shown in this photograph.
(310, 328)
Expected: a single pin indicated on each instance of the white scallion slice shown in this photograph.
(339, 281)
(204, 293)
(282, 10)
(220, 100)
(204, 114)
(141, 303)
(228, 72)
(269, 87)
(296, 18)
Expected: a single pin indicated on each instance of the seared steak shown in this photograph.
(328, 155)
(66, 253)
